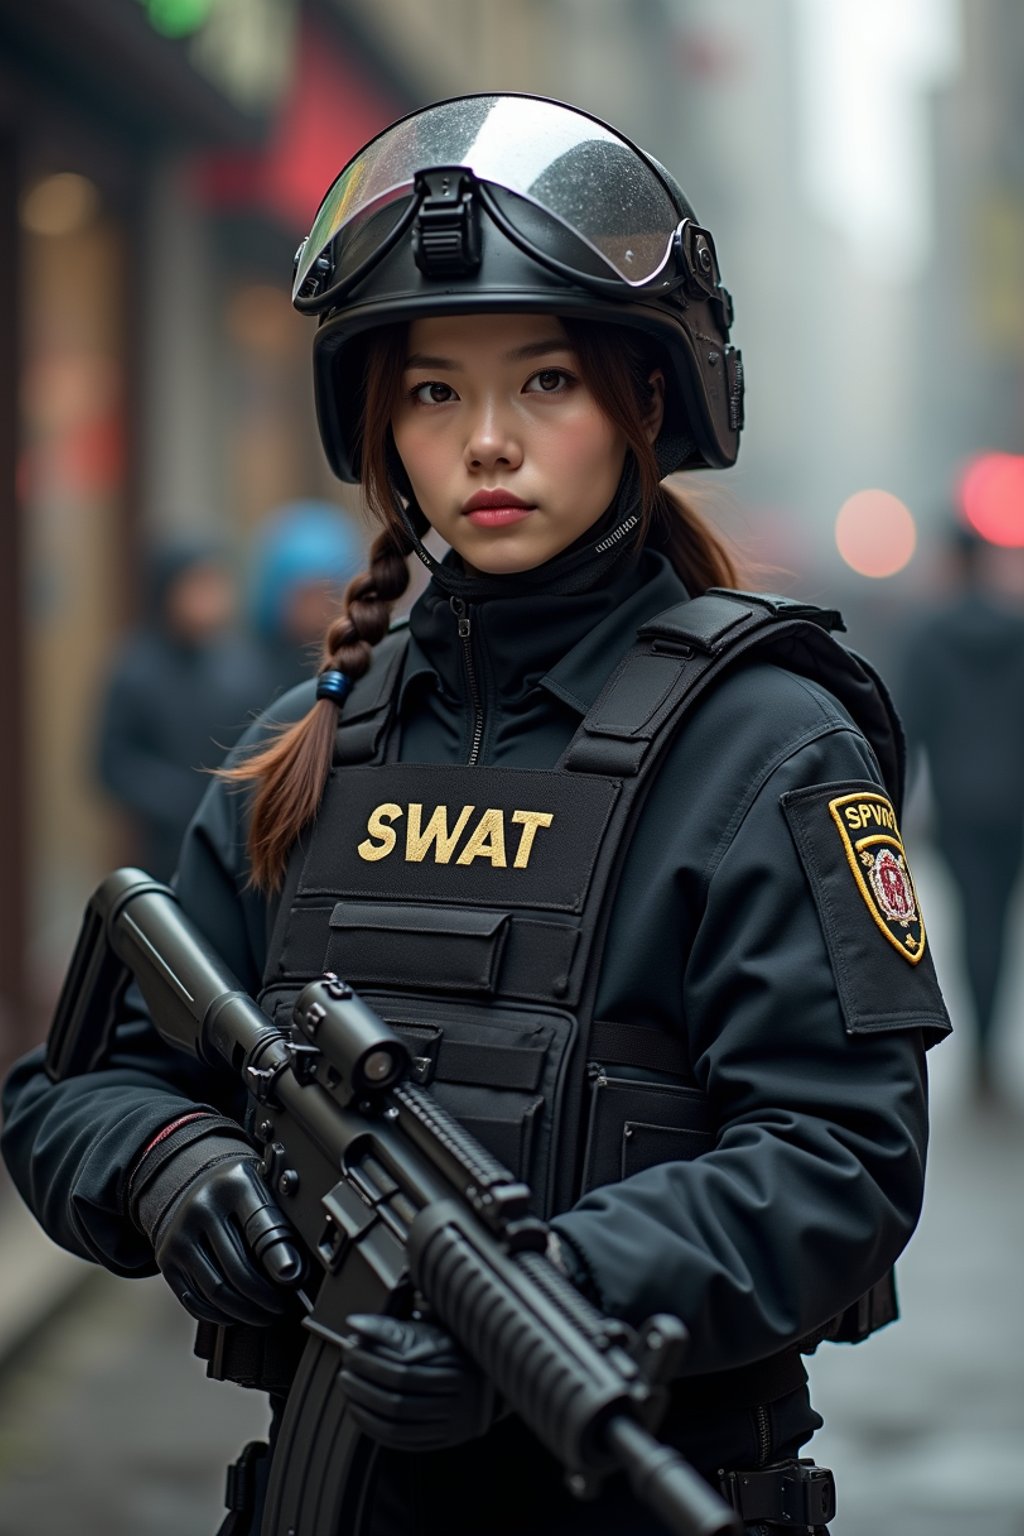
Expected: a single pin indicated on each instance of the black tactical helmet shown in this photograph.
(517, 202)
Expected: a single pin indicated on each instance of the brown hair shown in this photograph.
(291, 772)
(617, 367)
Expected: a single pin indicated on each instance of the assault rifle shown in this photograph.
(399, 1210)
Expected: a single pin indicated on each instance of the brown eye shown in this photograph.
(433, 393)
(549, 381)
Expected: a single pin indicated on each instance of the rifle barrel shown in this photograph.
(663, 1481)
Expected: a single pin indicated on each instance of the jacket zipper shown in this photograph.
(461, 613)
(764, 1435)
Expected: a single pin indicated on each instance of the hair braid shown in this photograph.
(290, 773)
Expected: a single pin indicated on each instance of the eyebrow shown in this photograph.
(517, 355)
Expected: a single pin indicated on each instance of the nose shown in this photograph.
(493, 441)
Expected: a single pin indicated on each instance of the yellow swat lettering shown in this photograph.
(487, 841)
(377, 827)
(440, 836)
(529, 821)
(417, 842)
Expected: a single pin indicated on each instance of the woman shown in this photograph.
(689, 1005)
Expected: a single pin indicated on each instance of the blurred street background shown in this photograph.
(168, 526)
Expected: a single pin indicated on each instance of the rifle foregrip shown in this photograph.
(547, 1361)
(562, 1394)
(552, 1364)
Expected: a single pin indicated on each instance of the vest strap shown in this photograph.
(366, 713)
(636, 1045)
(682, 651)
(706, 623)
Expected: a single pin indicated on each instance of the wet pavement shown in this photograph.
(925, 1421)
(108, 1426)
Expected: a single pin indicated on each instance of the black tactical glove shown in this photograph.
(411, 1387)
(216, 1231)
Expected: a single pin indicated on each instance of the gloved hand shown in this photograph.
(412, 1387)
(214, 1226)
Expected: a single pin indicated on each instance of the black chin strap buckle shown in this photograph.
(446, 234)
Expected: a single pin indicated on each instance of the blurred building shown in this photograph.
(977, 287)
(159, 161)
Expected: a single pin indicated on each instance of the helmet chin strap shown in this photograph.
(617, 533)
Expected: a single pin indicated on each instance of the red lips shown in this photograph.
(485, 501)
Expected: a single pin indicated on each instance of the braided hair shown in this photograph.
(290, 773)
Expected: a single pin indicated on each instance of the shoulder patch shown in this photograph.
(874, 850)
(848, 842)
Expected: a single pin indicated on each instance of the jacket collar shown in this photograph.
(566, 645)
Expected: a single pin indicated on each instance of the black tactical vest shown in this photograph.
(468, 905)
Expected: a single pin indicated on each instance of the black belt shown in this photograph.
(747, 1385)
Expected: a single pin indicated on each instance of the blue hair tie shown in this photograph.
(334, 686)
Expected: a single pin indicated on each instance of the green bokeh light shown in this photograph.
(177, 18)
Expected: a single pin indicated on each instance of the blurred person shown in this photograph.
(179, 693)
(703, 1043)
(302, 559)
(963, 704)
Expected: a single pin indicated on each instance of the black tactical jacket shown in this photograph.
(738, 925)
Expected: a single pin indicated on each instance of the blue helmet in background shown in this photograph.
(301, 543)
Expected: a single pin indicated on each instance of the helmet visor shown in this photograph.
(593, 182)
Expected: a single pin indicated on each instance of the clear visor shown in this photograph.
(569, 165)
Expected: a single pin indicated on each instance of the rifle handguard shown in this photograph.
(565, 1373)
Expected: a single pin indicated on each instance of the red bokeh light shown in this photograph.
(875, 533)
(992, 497)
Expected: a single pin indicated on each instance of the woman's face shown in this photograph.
(509, 457)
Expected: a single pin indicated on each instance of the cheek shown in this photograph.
(422, 454)
(591, 451)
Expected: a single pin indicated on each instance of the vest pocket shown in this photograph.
(497, 1068)
(416, 946)
(635, 1125)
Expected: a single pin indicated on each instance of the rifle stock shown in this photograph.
(399, 1210)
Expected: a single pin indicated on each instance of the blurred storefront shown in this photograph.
(158, 162)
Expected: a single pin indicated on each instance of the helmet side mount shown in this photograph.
(697, 262)
(317, 276)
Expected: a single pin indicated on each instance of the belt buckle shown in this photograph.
(790, 1494)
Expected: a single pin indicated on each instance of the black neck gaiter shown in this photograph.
(616, 536)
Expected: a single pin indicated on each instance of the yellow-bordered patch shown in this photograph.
(875, 853)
